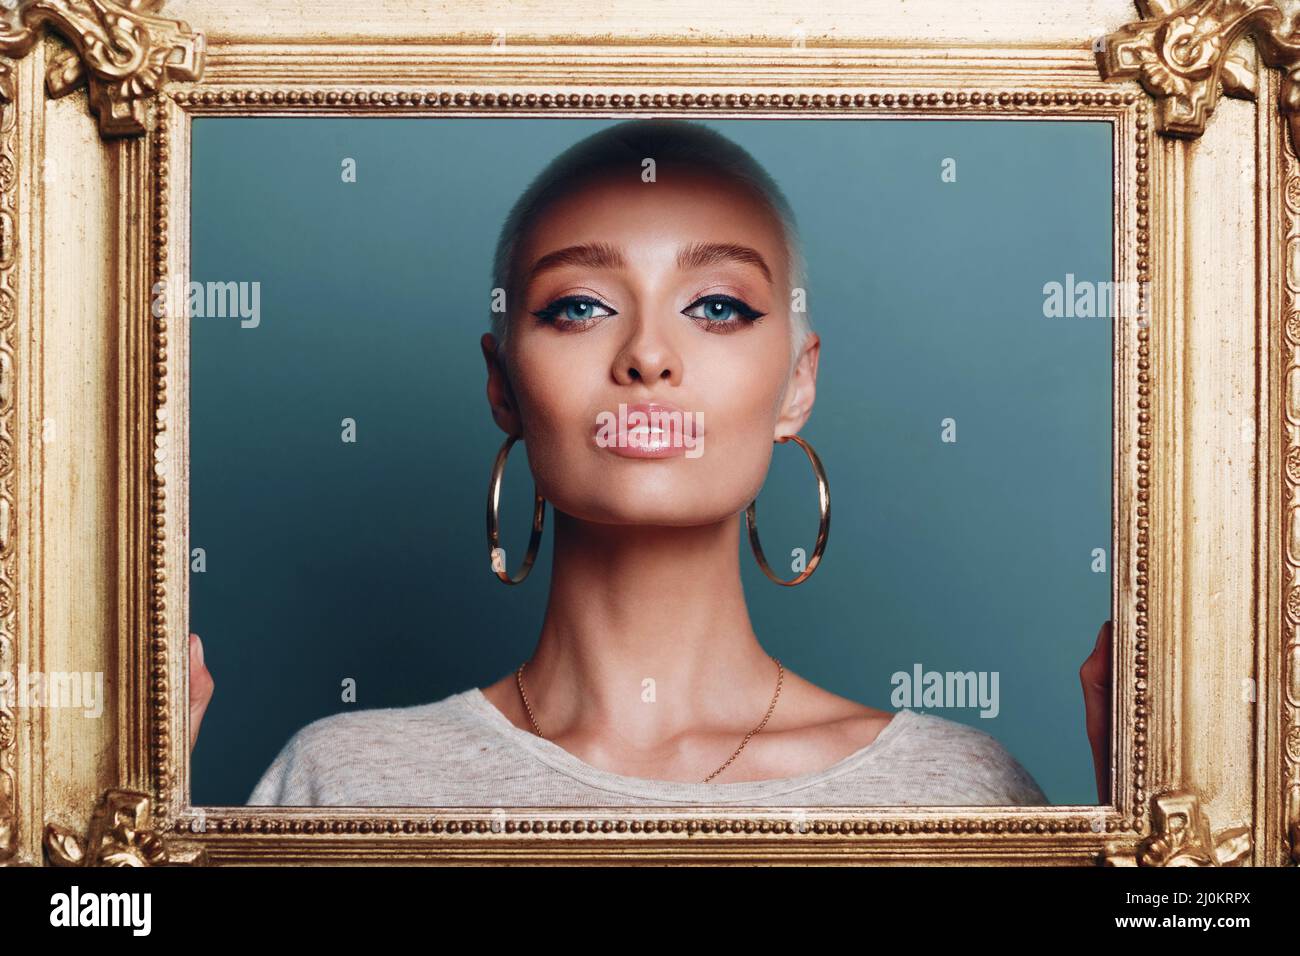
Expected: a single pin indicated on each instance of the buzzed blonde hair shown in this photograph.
(669, 142)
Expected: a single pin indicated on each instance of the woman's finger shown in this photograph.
(1094, 676)
(201, 686)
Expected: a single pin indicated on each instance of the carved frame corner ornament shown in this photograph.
(1182, 55)
(120, 50)
(1181, 836)
(121, 834)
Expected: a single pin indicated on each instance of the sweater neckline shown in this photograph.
(558, 758)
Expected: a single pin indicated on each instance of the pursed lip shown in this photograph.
(647, 430)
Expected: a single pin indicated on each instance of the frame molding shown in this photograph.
(832, 834)
(1170, 806)
(9, 497)
(1288, 346)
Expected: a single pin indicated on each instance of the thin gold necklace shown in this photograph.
(780, 676)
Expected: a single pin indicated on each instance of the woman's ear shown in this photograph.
(500, 396)
(802, 390)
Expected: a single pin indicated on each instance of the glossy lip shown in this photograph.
(649, 442)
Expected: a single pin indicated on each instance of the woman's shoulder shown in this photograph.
(331, 753)
(965, 764)
(330, 730)
(909, 757)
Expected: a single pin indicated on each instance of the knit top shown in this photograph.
(461, 751)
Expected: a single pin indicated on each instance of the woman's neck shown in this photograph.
(646, 634)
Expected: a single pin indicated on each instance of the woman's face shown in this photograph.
(662, 297)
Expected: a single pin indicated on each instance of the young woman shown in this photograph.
(648, 278)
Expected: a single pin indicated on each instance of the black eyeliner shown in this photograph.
(746, 311)
(552, 309)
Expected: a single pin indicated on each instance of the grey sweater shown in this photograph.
(462, 752)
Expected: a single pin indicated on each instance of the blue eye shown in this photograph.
(722, 310)
(571, 310)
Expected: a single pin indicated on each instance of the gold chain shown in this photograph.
(780, 676)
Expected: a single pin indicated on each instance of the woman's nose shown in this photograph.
(648, 356)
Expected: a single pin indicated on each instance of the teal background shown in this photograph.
(328, 560)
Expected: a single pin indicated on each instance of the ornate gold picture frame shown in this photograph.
(94, 198)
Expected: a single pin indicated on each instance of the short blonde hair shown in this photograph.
(668, 142)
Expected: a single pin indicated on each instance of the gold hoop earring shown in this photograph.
(493, 525)
(823, 530)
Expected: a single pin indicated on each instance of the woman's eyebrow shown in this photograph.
(593, 255)
(701, 254)
(603, 255)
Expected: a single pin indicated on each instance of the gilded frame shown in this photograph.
(94, 199)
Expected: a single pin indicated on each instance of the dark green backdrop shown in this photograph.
(327, 561)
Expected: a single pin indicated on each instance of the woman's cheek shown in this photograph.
(554, 436)
(753, 463)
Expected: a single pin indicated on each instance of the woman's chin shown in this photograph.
(662, 510)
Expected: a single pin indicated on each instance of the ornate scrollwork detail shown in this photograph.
(121, 834)
(9, 840)
(1180, 836)
(120, 50)
(1182, 55)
